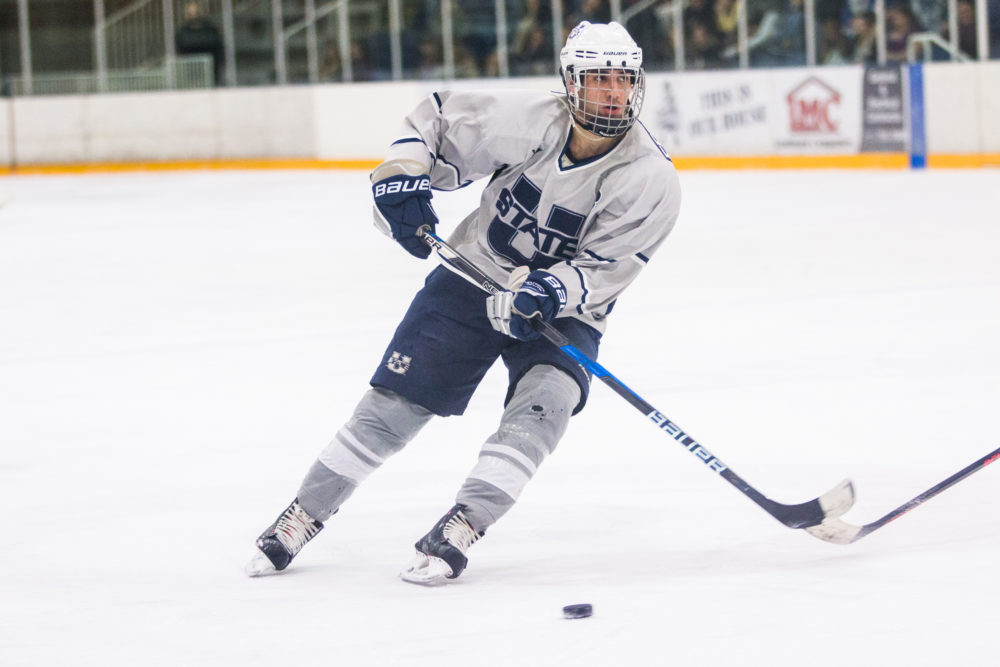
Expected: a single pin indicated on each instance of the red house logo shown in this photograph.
(814, 106)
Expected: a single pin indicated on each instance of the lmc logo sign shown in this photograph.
(814, 107)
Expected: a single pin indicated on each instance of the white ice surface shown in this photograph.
(176, 348)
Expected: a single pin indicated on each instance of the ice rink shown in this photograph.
(176, 348)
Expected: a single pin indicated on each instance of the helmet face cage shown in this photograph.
(591, 89)
(602, 71)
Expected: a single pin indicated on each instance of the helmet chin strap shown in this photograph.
(574, 108)
(590, 135)
(587, 135)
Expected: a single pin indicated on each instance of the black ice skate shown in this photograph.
(279, 544)
(441, 552)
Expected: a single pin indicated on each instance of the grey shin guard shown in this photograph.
(382, 424)
(533, 422)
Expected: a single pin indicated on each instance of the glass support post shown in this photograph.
(810, 25)
(677, 8)
(100, 47)
(170, 50)
(447, 40)
(278, 30)
(344, 41)
(557, 33)
(229, 41)
(880, 45)
(503, 55)
(24, 37)
(743, 33)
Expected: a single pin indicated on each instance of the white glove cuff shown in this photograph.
(498, 307)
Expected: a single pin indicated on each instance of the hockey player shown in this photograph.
(580, 197)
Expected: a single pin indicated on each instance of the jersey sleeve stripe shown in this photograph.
(583, 287)
(459, 183)
(656, 143)
(599, 258)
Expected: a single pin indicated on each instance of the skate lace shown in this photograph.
(460, 532)
(295, 528)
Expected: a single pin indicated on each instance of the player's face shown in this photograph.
(605, 93)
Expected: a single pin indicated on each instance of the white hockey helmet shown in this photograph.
(597, 48)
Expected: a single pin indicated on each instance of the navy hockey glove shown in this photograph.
(404, 205)
(541, 295)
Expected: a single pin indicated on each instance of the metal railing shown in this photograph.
(183, 73)
(135, 35)
(926, 41)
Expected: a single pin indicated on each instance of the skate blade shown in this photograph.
(426, 571)
(260, 566)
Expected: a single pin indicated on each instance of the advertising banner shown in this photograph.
(757, 112)
(884, 115)
(710, 113)
(817, 111)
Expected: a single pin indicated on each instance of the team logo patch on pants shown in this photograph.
(398, 363)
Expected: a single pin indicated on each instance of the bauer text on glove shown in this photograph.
(402, 207)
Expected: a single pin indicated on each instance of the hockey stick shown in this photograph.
(840, 532)
(830, 505)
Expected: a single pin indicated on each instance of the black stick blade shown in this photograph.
(828, 506)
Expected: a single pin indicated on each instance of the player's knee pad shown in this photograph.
(382, 424)
(538, 413)
(387, 420)
(532, 424)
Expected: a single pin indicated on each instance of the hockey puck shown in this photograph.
(578, 610)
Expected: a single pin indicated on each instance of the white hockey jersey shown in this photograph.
(594, 224)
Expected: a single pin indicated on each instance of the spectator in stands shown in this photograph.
(467, 65)
(900, 24)
(864, 40)
(701, 11)
(532, 55)
(702, 40)
(834, 10)
(431, 62)
(967, 42)
(475, 31)
(703, 45)
(834, 46)
(534, 14)
(727, 21)
(198, 35)
(330, 66)
(930, 15)
(361, 64)
(531, 48)
(648, 30)
(778, 37)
